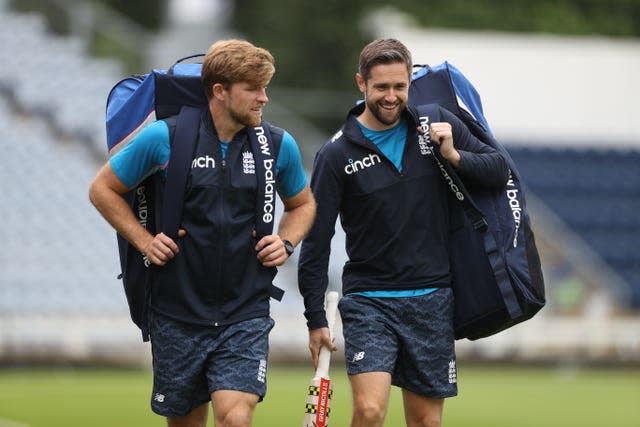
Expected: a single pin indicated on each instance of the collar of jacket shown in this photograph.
(354, 133)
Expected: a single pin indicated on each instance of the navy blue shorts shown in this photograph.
(409, 337)
(190, 362)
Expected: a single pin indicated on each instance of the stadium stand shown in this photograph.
(53, 77)
(60, 252)
(596, 192)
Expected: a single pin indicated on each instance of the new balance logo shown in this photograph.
(514, 204)
(366, 162)
(203, 162)
(358, 356)
(159, 397)
(262, 140)
(424, 142)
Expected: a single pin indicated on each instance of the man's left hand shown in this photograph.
(271, 251)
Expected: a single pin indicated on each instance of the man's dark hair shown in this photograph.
(383, 51)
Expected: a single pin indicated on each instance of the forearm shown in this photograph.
(313, 268)
(297, 219)
(107, 197)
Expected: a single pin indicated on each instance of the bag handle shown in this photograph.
(427, 66)
(185, 58)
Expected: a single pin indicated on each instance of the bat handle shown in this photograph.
(325, 353)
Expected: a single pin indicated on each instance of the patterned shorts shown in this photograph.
(190, 362)
(411, 338)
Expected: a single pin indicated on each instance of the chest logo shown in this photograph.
(366, 162)
(203, 162)
(248, 163)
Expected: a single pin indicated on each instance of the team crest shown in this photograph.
(248, 163)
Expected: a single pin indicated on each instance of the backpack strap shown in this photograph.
(265, 151)
(182, 149)
(425, 114)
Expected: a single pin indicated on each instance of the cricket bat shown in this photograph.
(320, 391)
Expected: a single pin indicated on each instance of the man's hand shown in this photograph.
(162, 248)
(317, 339)
(441, 134)
(271, 251)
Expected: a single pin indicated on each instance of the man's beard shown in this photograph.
(246, 119)
(377, 112)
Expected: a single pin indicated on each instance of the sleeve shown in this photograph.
(313, 264)
(480, 164)
(291, 175)
(145, 154)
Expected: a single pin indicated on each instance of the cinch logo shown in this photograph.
(514, 204)
(269, 193)
(365, 162)
(203, 163)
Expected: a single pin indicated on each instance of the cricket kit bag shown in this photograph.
(495, 266)
(137, 101)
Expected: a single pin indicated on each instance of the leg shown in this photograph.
(233, 408)
(420, 411)
(196, 418)
(180, 390)
(370, 392)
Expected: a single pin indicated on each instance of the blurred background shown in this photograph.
(559, 82)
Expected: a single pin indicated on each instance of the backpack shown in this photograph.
(137, 101)
(496, 270)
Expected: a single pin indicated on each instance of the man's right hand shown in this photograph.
(161, 249)
(317, 339)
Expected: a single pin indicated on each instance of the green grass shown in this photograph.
(489, 397)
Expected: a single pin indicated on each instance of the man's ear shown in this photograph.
(218, 91)
(360, 81)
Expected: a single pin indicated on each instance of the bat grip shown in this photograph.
(325, 353)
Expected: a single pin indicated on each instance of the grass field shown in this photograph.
(489, 397)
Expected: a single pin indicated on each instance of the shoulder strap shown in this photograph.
(264, 151)
(424, 115)
(182, 149)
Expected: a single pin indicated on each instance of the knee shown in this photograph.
(369, 412)
(432, 420)
(238, 416)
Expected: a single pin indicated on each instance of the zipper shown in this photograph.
(221, 234)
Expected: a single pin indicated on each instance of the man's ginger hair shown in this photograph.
(232, 61)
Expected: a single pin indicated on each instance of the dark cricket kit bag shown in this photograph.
(135, 102)
(497, 275)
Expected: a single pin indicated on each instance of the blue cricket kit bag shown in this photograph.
(496, 270)
(135, 102)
